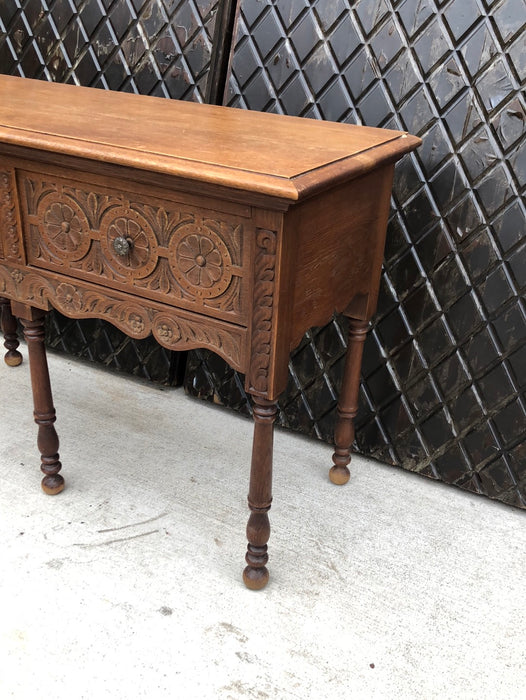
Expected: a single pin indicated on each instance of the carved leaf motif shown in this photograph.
(104, 204)
(40, 251)
(171, 330)
(95, 263)
(230, 300)
(34, 289)
(231, 234)
(162, 221)
(29, 188)
(93, 204)
(35, 190)
(160, 280)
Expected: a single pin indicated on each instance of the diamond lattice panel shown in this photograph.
(155, 47)
(443, 390)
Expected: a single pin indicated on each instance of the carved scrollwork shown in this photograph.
(8, 220)
(172, 329)
(265, 265)
(7, 284)
(180, 333)
(73, 300)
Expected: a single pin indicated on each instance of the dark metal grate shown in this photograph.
(160, 47)
(444, 376)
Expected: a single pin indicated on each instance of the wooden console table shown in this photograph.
(206, 226)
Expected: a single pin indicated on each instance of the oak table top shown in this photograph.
(282, 156)
(206, 226)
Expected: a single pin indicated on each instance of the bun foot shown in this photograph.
(339, 475)
(13, 358)
(255, 579)
(53, 484)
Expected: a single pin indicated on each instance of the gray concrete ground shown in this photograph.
(127, 585)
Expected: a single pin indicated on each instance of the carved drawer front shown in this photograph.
(168, 251)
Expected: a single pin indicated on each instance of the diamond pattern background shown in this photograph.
(159, 47)
(444, 378)
(444, 388)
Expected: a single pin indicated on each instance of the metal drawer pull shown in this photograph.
(121, 245)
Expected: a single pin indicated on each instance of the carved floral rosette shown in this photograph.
(63, 225)
(200, 259)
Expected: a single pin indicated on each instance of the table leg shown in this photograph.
(256, 574)
(348, 403)
(8, 324)
(44, 412)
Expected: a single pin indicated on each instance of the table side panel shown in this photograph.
(341, 237)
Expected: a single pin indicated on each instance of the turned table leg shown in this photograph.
(348, 403)
(256, 574)
(9, 327)
(44, 412)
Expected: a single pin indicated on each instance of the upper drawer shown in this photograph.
(140, 240)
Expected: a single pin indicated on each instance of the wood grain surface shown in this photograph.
(273, 154)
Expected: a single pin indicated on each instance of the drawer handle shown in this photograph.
(121, 245)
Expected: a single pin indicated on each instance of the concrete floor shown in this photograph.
(127, 585)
